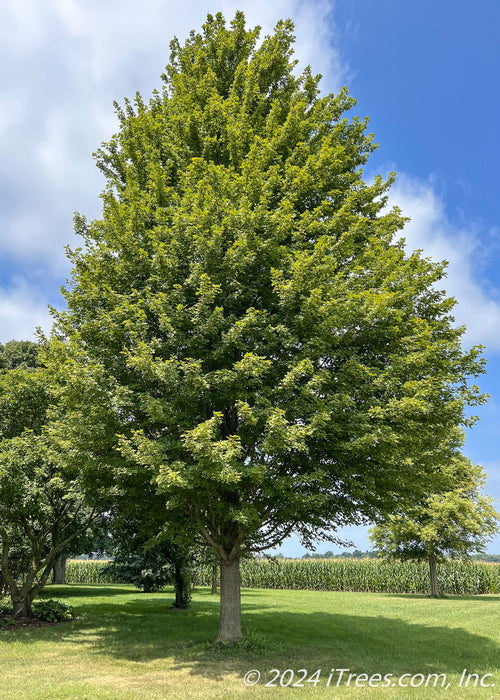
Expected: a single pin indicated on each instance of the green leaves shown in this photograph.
(270, 357)
(42, 499)
(217, 460)
(455, 520)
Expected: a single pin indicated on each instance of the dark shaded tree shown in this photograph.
(42, 502)
(143, 557)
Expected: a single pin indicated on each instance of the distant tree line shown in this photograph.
(357, 554)
(488, 558)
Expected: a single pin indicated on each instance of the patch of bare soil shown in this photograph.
(24, 622)
(28, 623)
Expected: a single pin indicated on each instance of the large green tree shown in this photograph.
(279, 360)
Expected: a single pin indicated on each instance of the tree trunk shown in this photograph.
(21, 605)
(214, 580)
(433, 573)
(182, 586)
(230, 601)
(59, 570)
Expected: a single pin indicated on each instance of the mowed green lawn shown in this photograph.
(131, 645)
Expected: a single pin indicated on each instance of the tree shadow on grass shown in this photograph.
(483, 597)
(142, 628)
(363, 644)
(75, 590)
(145, 630)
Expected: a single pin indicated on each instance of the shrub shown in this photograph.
(5, 606)
(52, 611)
(131, 569)
(6, 618)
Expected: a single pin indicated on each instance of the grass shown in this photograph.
(131, 645)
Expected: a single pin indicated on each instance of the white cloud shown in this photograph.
(21, 311)
(10, 113)
(23, 24)
(114, 32)
(64, 64)
(431, 231)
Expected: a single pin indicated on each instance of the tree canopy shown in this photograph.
(19, 354)
(454, 521)
(42, 502)
(277, 361)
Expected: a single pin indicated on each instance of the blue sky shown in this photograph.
(425, 73)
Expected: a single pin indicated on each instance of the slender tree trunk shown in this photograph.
(59, 570)
(182, 583)
(214, 580)
(230, 601)
(433, 573)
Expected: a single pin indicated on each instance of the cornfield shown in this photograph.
(364, 575)
(87, 571)
(368, 575)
